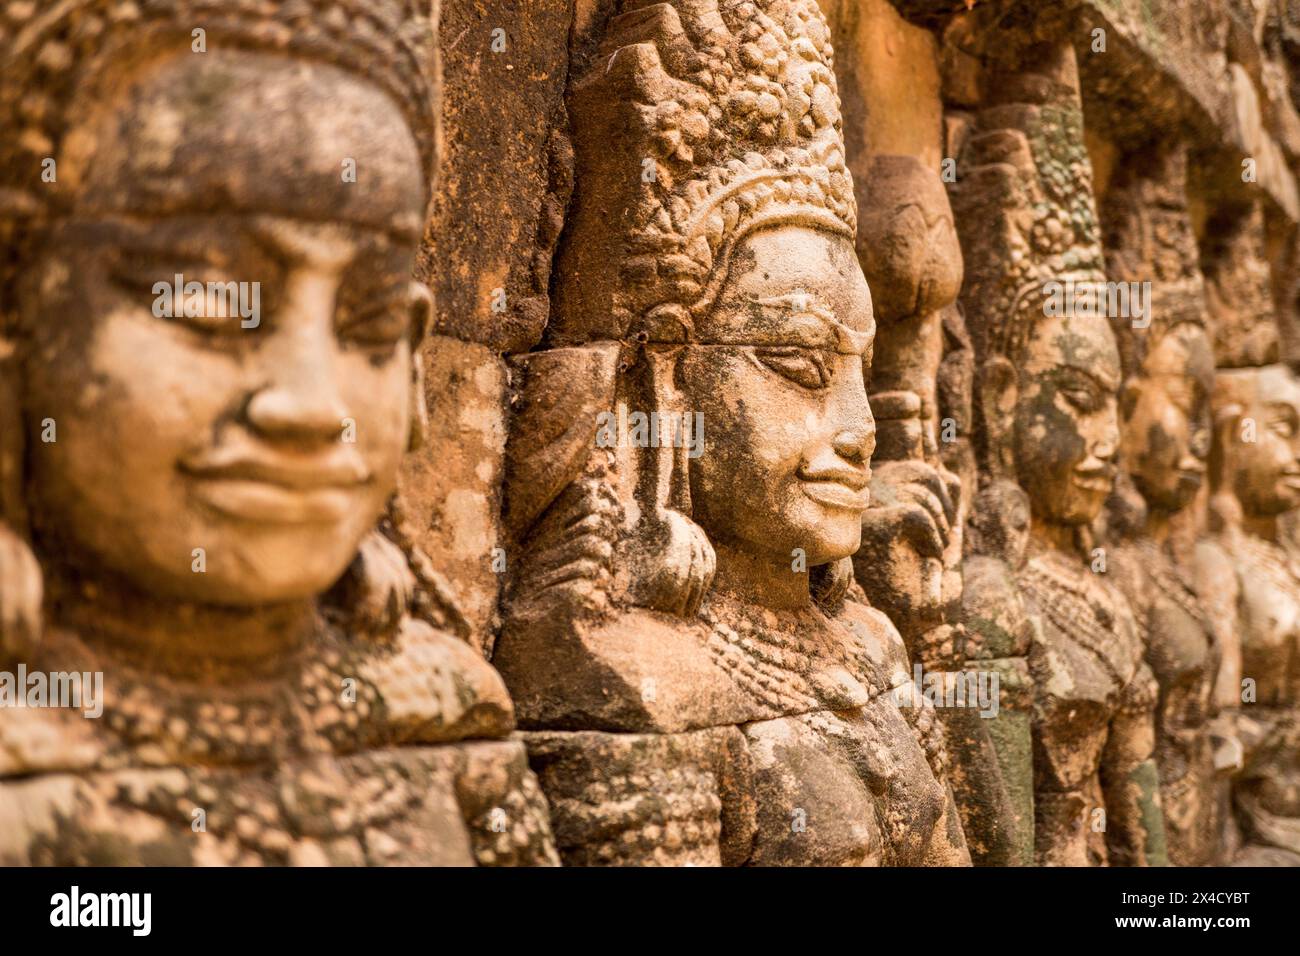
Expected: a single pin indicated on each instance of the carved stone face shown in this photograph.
(271, 442)
(789, 433)
(1166, 436)
(1066, 431)
(1265, 473)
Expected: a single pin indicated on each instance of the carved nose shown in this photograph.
(1107, 445)
(281, 411)
(1200, 444)
(854, 445)
(301, 399)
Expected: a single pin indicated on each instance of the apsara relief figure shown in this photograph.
(1250, 581)
(209, 330)
(1153, 520)
(1048, 377)
(700, 677)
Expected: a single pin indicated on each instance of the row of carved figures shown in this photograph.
(908, 461)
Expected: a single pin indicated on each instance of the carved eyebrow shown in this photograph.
(292, 240)
(938, 216)
(839, 336)
(1092, 377)
(799, 301)
(828, 332)
(168, 246)
(803, 318)
(401, 228)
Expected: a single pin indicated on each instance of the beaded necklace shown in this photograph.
(1080, 609)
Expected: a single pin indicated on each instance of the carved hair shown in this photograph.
(1246, 347)
(1024, 208)
(1025, 204)
(1149, 238)
(1239, 290)
(701, 122)
(52, 53)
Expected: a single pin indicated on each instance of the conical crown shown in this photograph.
(700, 123)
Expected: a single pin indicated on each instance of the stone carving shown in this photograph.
(1047, 385)
(213, 526)
(908, 565)
(1153, 520)
(700, 675)
(912, 261)
(750, 418)
(1238, 289)
(1247, 571)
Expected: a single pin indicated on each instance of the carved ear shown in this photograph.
(998, 393)
(673, 559)
(421, 306)
(21, 582)
(420, 302)
(1227, 419)
(1128, 397)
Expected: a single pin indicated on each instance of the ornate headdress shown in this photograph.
(1149, 238)
(1242, 319)
(48, 50)
(700, 123)
(1239, 290)
(1024, 202)
(1025, 212)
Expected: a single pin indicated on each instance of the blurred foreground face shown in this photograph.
(262, 420)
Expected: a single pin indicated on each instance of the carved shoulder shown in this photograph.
(435, 688)
(994, 610)
(1219, 590)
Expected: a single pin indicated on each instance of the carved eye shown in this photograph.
(1081, 396)
(141, 275)
(810, 368)
(1284, 427)
(206, 298)
(380, 323)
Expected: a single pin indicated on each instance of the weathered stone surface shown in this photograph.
(266, 667)
(450, 486)
(1248, 574)
(888, 72)
(1154, 515)
(506, 174)
(805, 405)
(708, 271)
(1048, 380)
(499, 209)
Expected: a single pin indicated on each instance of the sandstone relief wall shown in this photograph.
(614, 432)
